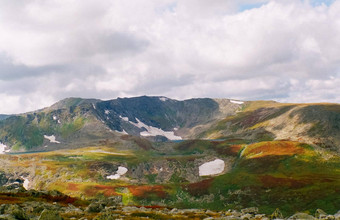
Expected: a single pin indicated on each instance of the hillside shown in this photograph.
(317, 124)
(76, 122)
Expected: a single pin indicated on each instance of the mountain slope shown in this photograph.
(317, 124)
(2, 117)
(76, 122)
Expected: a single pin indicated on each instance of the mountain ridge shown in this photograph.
(73, 120)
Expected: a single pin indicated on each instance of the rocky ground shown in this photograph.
(18, 203)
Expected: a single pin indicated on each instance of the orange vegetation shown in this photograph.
(73, 187)
(268, 148)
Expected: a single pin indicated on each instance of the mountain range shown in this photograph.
(76, 122)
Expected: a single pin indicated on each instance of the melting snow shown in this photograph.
(121, 171)
(55, 117)
(2, 148)
(94, 106)
(124, 118)
(211, 168)
(153, 131)
(107, 111)
(51, 139)
(236, 102)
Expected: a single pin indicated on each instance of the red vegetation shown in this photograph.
(231, 150)
(63, 199)
(145, 191)
(106, 190)
(270, 181)
(199, 188)
(8, 199)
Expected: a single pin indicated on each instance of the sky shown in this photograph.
(283, 50)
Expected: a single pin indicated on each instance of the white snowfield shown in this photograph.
(121, 132)
(3, 149)
(236, 102)
(51, 139)
(26, 183)
(121, 171)
(153, 131)
(163, 99)
(107, 112)
(124, 118)
(211, 168)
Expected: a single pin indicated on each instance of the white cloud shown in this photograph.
(279, 50)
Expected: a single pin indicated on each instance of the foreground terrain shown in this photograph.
(98, 158)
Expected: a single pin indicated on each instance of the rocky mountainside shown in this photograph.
(76, 122)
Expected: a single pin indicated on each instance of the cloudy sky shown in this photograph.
(284, 50)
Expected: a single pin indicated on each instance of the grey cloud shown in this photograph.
(283, 50)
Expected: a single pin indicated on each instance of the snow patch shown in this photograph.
(124, 118)
(121, 132)
(26, 183)
(163, 99)
(236, 102)
(107, 111)
(51, 139)
(3, 148)
(54, 117)
(121, 171)
(94, 106)
(153, 131)
(211, 168)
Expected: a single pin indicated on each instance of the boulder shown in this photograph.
(7, 217)
(17, 212)
(50, 215)
(301, 216)
(251, 210)
(319, 213)
(337, 215)
(247, 216)
(95, 207)
(276, 214)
